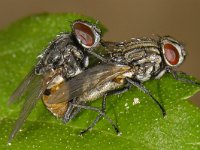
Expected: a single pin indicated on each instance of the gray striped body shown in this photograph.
(143, 54)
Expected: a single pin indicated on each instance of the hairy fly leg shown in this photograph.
(101, 113)
(146, 91)
(107, 61)
(103, 109)
(72, 111)
(97, 118)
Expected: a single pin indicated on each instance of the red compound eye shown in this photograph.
(84, 34)
(171, 54)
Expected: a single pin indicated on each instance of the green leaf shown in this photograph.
(142, 125)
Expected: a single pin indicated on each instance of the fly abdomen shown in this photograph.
(100, 90)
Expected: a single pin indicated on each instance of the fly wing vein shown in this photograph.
(85, 81)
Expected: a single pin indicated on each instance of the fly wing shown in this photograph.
(22, 88)
(85, 81)
(31, 90)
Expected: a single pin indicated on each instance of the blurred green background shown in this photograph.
(126, 19)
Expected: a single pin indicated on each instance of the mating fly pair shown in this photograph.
(65, 83)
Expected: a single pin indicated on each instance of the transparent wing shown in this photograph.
(30, 90)
(85, 81)
(22, 88)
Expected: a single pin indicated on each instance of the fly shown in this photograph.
(65, 57)
(131, 64)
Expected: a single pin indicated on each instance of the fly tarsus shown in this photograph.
(91, 125)
(175, 75)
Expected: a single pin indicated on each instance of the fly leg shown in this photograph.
(71, 112)
(100, 112)
(118, 91)
(175, 75)
(107, 61)
(146, 91)
(98, 117)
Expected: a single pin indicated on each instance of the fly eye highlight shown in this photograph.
(86, 34)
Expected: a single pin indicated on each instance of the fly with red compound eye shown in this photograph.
(131, 64)
(65, 57)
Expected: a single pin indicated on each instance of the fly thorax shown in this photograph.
(134, 55)
(157, 61)
(62, 53)
(117, 57)
(55, 58)
(72, 66)
(74, 57)
(51, 61)
(71, 71)
(73, 50)
(151, 58)
(145, 72)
